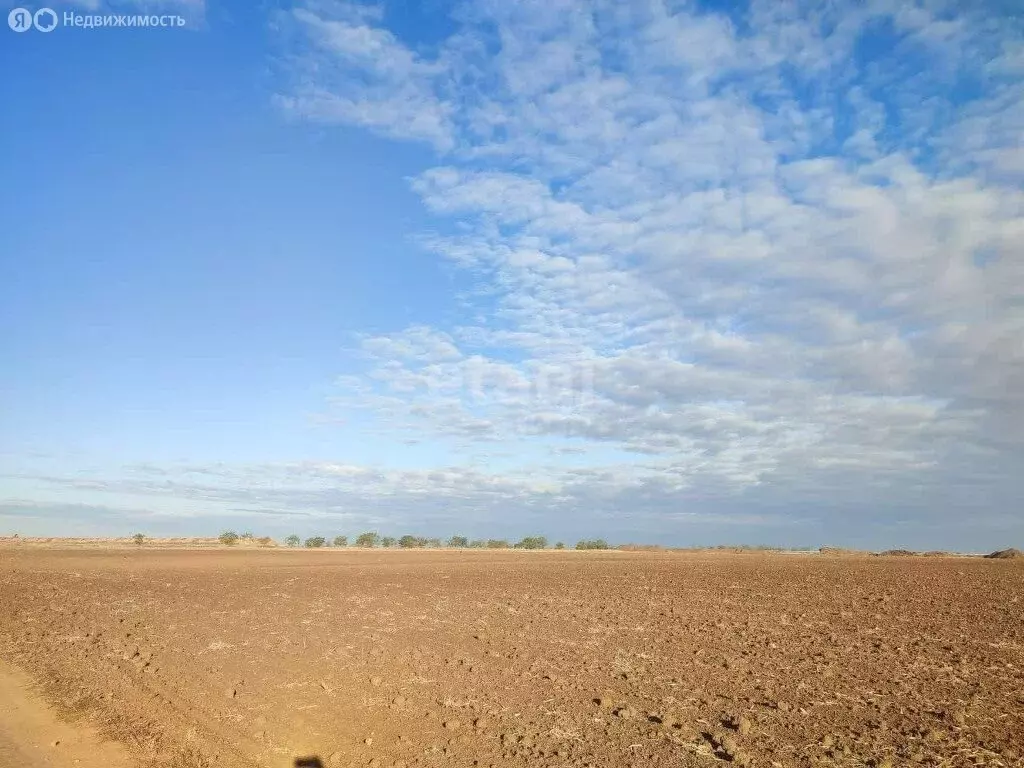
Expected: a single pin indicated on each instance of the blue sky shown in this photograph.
(654, 271)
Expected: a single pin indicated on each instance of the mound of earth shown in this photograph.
(1006, 554)
(841, 551)
(898, 553)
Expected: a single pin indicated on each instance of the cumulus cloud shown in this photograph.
(776, 250)
(359, 73)
(762, 265)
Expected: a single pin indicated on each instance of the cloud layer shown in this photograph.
(760, 268)
(770, 255)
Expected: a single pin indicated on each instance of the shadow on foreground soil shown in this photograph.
(308, 762)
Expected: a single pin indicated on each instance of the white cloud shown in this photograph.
(361, 74)
(746, 261)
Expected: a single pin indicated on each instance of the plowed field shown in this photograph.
(256, 658)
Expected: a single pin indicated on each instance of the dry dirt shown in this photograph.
(32, 734)
(256, 658)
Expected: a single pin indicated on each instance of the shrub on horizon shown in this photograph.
(369, 539)
(229, 538)
(532, 542)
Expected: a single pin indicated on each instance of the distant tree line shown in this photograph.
(230, 538)
(371, 539)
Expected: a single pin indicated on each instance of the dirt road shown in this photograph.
(33, 734)
(480, 658)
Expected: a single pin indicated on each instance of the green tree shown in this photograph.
(532, 542)
(230, 538)
(559, 545)
(292, 541)
(592, 544)
(409, 542)
(341, 541)
(433, 543)
(369, 539)
(477, 544)
(315, 542)
(139, 539)
(387, 541)
(458, 542)
(497, 544)
(247, 536)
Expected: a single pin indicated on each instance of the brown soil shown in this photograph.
(842, 551)
(256, 658)
(897, 553)
(32, 734)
